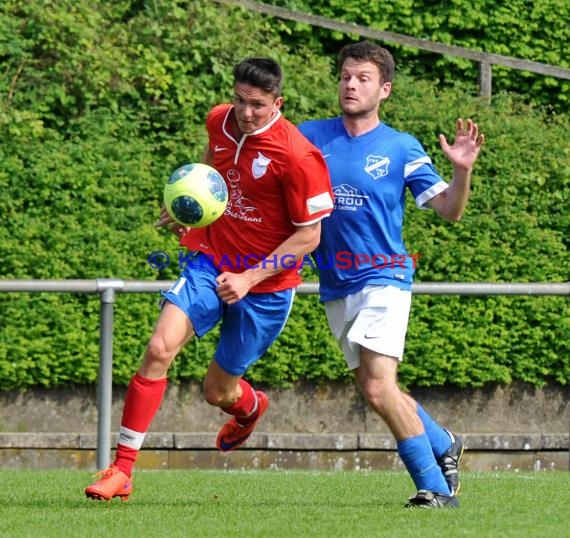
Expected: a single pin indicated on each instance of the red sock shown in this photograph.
(246, 408)
(142, 401)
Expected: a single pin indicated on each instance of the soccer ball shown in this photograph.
(195, 195)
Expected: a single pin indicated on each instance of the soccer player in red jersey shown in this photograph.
(244, 267)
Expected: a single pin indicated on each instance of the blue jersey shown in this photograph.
(361, 241)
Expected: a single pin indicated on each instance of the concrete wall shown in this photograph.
(325, 426)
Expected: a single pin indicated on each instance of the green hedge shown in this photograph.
(100, 101)
(537, 31)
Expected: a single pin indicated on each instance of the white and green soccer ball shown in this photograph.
(195, 195)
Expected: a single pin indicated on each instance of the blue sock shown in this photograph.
(439, 439)
(417, 455)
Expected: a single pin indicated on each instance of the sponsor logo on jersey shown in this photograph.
(239, 206)
(346, 197)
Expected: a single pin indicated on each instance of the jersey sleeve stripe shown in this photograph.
(428, 194)
(414, 165)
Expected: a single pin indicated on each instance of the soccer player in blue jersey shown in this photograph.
(366, 273)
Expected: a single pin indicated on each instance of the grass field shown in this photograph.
(281, 504)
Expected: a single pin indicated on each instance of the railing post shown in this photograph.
(485, 80)
(107, 289)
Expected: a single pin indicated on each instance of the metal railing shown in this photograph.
(108, 288)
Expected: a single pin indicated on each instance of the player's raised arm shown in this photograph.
(451, 203)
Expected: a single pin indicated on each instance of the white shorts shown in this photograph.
(375, 318)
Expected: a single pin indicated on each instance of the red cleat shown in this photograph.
(233, 434)
(112, 483)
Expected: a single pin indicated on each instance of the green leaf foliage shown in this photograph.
(100, 101)
(537, 31)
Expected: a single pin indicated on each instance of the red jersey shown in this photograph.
(276, 180)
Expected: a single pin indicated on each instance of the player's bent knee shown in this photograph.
(158, 351)
(377, 394)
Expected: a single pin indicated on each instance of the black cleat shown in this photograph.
(429, 499)
(449, 463)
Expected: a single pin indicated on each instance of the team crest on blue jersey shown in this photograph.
(377, 166)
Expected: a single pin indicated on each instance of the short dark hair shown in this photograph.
(263, 73)
(366, 51)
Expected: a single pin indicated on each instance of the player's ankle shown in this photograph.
(124, 467)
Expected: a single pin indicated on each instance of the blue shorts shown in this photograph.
(249, 326)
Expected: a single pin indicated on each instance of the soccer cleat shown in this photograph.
(449, 463)
(429, 499)
(233, 434)
(112, 483)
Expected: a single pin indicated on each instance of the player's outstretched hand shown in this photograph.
(164, 219)
(468, 141)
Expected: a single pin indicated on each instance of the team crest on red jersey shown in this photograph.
(259, 165)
